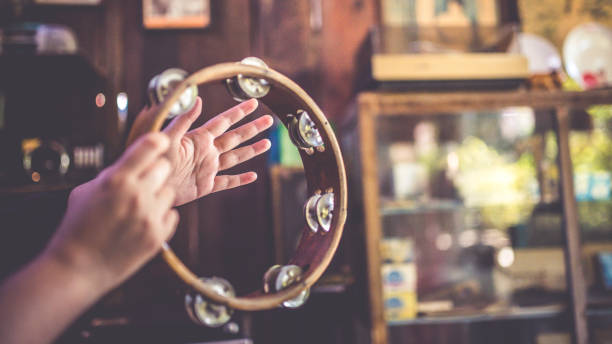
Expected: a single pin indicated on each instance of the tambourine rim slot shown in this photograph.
(317, 265)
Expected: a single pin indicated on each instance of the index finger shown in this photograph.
(143, 153)
(220, 123)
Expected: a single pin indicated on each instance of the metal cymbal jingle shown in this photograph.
(324, 211)
(279, 277)
(243, 88)
(162, 85)
(310, 212)
(205, 312)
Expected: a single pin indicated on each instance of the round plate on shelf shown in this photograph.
(542, 56)
(587, 53)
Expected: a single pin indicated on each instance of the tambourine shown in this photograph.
(325, 210)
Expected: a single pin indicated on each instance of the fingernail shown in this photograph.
(201, 103)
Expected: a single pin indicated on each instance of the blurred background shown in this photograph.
(476, 136)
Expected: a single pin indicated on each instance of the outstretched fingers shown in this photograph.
(225, 182)
(242, 154)
(235, 137)
(220, 123)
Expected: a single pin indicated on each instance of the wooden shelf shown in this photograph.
(515, 313)
(37, 188)
(392, 207)
(605, 312)
(333, 283)
(414, 103)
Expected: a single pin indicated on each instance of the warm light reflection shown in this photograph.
(452, 162)
(35, 177)
(468, 238)
(122, 101)
(28, 145)
(494, 238)
(517, 122)
(100, 100)
(65, 160)
(444, 242)
(505, 257)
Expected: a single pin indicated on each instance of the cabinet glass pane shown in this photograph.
(471, 216)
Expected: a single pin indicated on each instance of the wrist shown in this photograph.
(43, 298)
(78, 267)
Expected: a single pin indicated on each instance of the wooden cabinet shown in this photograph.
(471, 197)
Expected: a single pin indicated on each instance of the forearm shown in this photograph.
(41, 300)
(113, 225)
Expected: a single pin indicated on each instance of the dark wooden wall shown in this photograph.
(230, 234)
(319, 57)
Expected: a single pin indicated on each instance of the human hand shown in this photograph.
(197, 156)
(119, 220)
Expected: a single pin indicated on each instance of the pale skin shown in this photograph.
(118, 221)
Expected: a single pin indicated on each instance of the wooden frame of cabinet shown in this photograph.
(375, 104)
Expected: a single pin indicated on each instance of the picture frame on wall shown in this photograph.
(175, 14)
(432, 26)
(440, 13)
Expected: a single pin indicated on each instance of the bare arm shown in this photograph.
(42, 299)
(118, 221)
(113, 225)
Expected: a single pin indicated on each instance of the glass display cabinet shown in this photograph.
(472, 221)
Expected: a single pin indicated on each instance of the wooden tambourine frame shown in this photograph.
(324, 170)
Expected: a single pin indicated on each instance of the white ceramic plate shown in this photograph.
(542, 56)
(587, 53)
